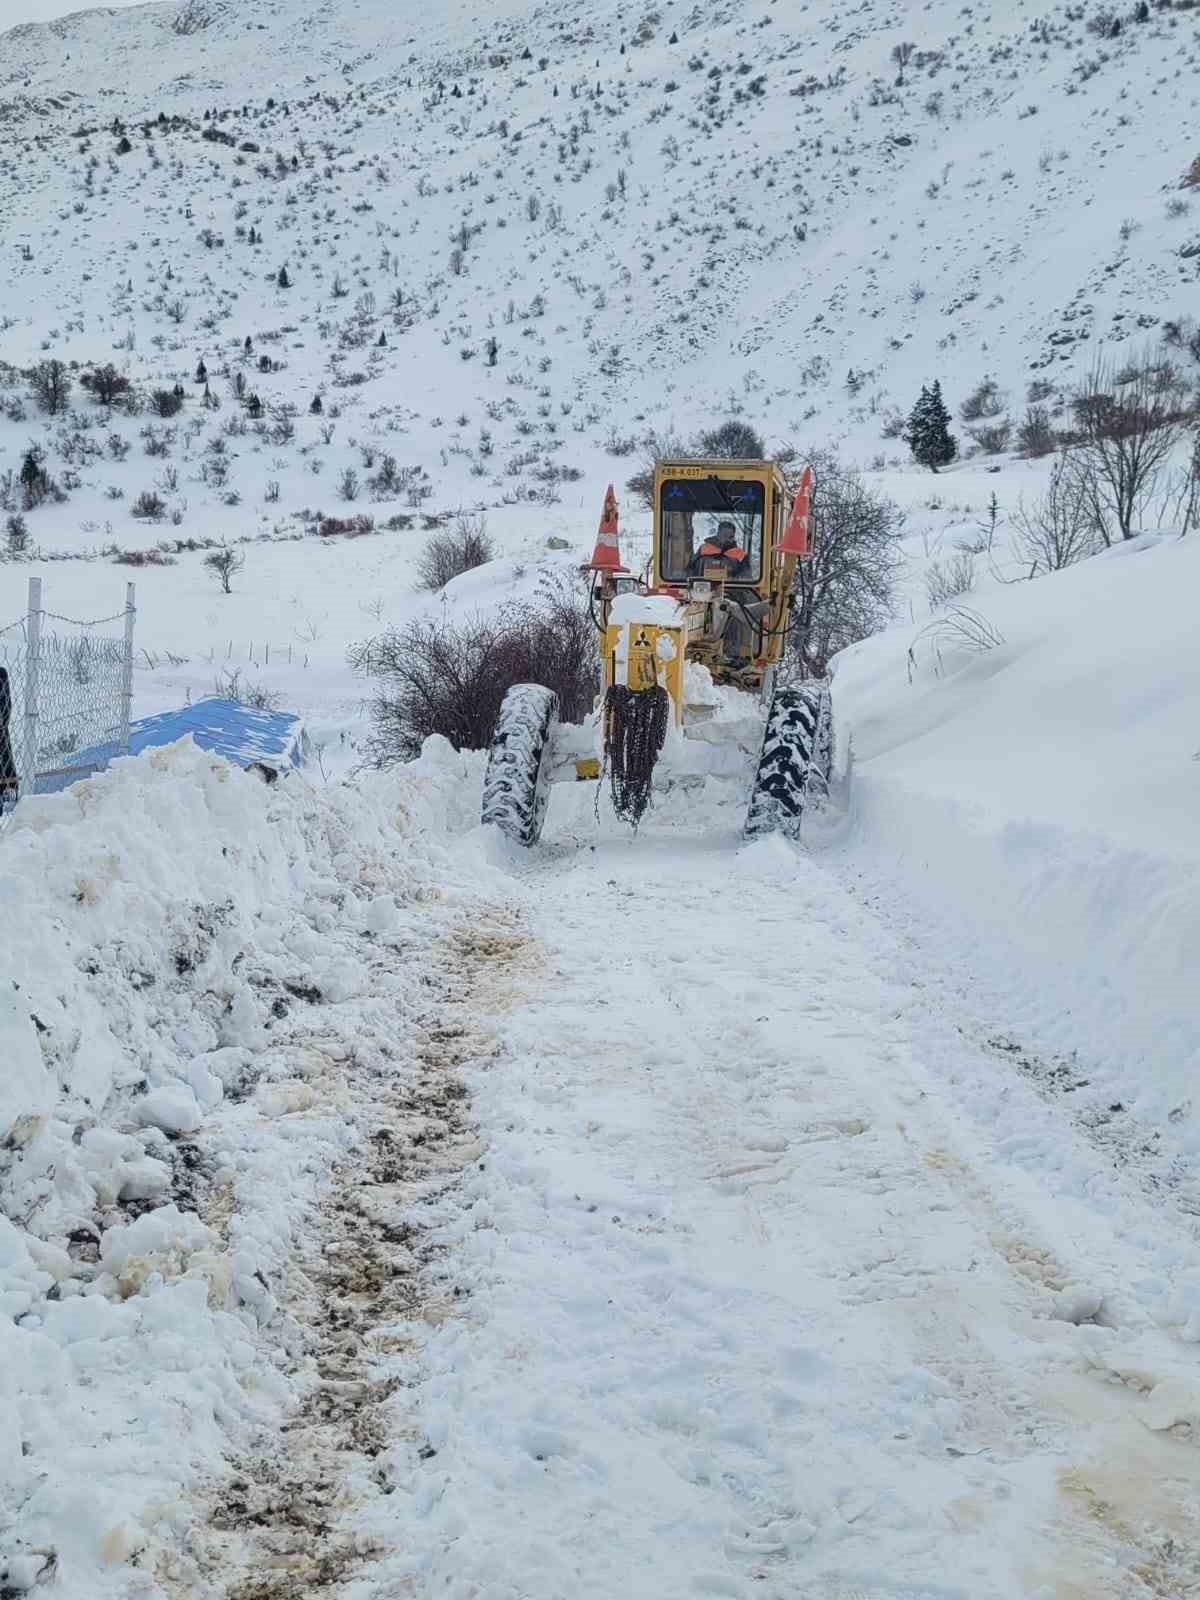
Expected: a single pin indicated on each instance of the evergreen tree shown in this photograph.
(316, 408)
(928, 433)
(283, 281)
(201, 371)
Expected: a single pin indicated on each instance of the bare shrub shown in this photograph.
(947, 580)
(143, 558)
(844, 590)
(232, 686)
(165, 402)
(1035, 434)
(984, 400)
(1059, 529)
(993, 438)
(454, 551)
(224, 564)
(105, 384)
(150, 505)
(1182, 333)
(449, 677)
(962, 631)
(732, 440)
(346, 527)
(655, 445)
(1127, 423)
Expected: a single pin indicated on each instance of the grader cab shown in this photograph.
(688, 655)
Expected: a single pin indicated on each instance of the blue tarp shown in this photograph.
(239, 733)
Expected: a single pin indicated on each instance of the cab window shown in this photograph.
(691, 513)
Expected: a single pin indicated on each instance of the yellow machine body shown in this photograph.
(691, 499)
(646, 655)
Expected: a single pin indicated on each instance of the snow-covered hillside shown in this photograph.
(657, 216)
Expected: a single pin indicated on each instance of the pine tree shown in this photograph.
(283, 281)
(928, 433)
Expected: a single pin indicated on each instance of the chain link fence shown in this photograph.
(65, 696)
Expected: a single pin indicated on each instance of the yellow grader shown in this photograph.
(717, 596)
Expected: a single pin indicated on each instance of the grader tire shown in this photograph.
(796, 760)
(516, 785)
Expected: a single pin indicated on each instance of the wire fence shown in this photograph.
(65, 696)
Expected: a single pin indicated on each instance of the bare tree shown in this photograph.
(844, 590)
(1127, 423)
(223, 564)
(902, 55)
(51, 384)
(1060, 529)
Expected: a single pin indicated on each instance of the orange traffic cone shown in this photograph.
(606, 557)
(795, 535)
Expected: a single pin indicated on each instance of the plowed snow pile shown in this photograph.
(210, 987)
(1039, 799)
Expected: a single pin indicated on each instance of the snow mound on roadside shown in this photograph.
(164, 920)
(1039, 800)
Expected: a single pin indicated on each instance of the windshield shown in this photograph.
(703, 516)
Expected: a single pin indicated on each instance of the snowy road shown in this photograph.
(651, 1216)
(754, 1310)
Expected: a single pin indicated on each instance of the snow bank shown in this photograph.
(1039, 801)
(169, 925)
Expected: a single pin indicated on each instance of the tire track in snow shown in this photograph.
(304, 1510)
(833, 1359)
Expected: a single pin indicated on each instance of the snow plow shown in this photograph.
(689, 653)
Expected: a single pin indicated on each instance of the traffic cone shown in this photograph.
(795, 535)
(606, 557)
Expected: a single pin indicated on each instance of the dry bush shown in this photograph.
(1192, 178)
(947, 580)
(143, 558)
(962, 631)
(345, 527)
(1127, 423)
(654, 446)
(1035, 435)
(984, 400)
(454, 551)
(1060, 529)
(993, 438)
(845, 589)
(1182, 333)
(231, 686)
(449, 677)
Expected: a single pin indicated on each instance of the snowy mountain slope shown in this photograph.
(743, 216)
(629, 219)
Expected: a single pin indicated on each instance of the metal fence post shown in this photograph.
(127, 673)
(33, 652)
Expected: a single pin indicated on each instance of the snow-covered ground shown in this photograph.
(648, 1214)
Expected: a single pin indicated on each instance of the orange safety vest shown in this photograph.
(734, 553)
